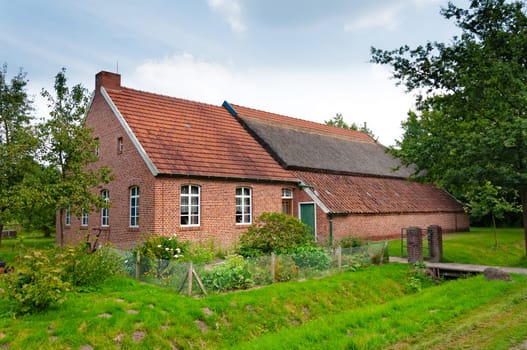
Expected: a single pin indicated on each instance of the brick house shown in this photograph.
(204, 172)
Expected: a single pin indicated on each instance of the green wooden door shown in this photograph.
(307, 216)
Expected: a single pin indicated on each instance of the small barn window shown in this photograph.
(243, 205)
(120, 145)
(189, 208)
(287, 201)
(97, 150)
(105, 215)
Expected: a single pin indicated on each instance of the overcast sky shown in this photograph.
(307, 59)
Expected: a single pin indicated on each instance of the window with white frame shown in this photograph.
(134, 206)
(287, 201)
(105, 214)
(120, 145)
(84, 218)
(67, 219)
(189, 208)
(243, 205)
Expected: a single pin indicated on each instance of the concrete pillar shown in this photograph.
(435, 243)
(414, 239)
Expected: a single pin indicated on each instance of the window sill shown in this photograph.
(190, 228)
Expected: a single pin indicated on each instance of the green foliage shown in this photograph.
(338, 121)
(285, 268)
(157, 252)
(311, 257)
(274, 232)
(18, 145)
(88, 270)
(162, 247)
(417, 277)
(230, 275)
(471, 123)
(36, 283)
(69, 148)
(351, 242)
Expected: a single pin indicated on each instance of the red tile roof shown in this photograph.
(192, 138)
(374, 195)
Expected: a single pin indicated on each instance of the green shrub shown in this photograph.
(156, 253)
(285, 268)
(36, 283)
(199, 253)
(230, 275)
(351, 242)
(88, 270)
(311, 257)
(274, 232)
(162, 247)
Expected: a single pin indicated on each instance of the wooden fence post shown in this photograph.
(138, 266)
(273, 267)
(339, 256)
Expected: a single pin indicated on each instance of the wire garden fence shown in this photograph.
(237, 272)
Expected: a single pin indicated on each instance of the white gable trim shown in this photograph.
(315, 199)
(130, 133)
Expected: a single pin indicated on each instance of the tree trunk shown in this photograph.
(523, 195)
(1, 232)
(495, 234)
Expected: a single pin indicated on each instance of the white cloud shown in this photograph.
(383, 17)
(361, 94)
(232, 11)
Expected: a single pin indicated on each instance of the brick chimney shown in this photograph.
(108, 80)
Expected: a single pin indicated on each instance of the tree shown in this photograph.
(338, 121)
(69, 151)
(487, 200)
(471, 121)
(17, 143)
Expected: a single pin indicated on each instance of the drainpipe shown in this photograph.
(330, 229)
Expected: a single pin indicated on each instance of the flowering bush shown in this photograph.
(162, 247)
(157, 252)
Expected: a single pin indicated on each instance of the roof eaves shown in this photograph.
(201, 176)
(311, 193)
(130, 133)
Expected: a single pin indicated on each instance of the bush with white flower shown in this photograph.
(163, 247)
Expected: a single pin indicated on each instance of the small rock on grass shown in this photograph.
(494, 274)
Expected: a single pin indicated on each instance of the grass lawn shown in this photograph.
(477, 247)
(373, 308)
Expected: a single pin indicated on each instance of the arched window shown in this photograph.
(105, 219)
(189, 208)
(134, 206)
(243, 205)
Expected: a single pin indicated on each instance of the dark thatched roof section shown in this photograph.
(299, 148)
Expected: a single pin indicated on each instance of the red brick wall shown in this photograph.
(218, 208)
(160, 197)
(128, 169)
(382, 226)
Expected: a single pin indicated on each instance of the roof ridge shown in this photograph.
(156, 94)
